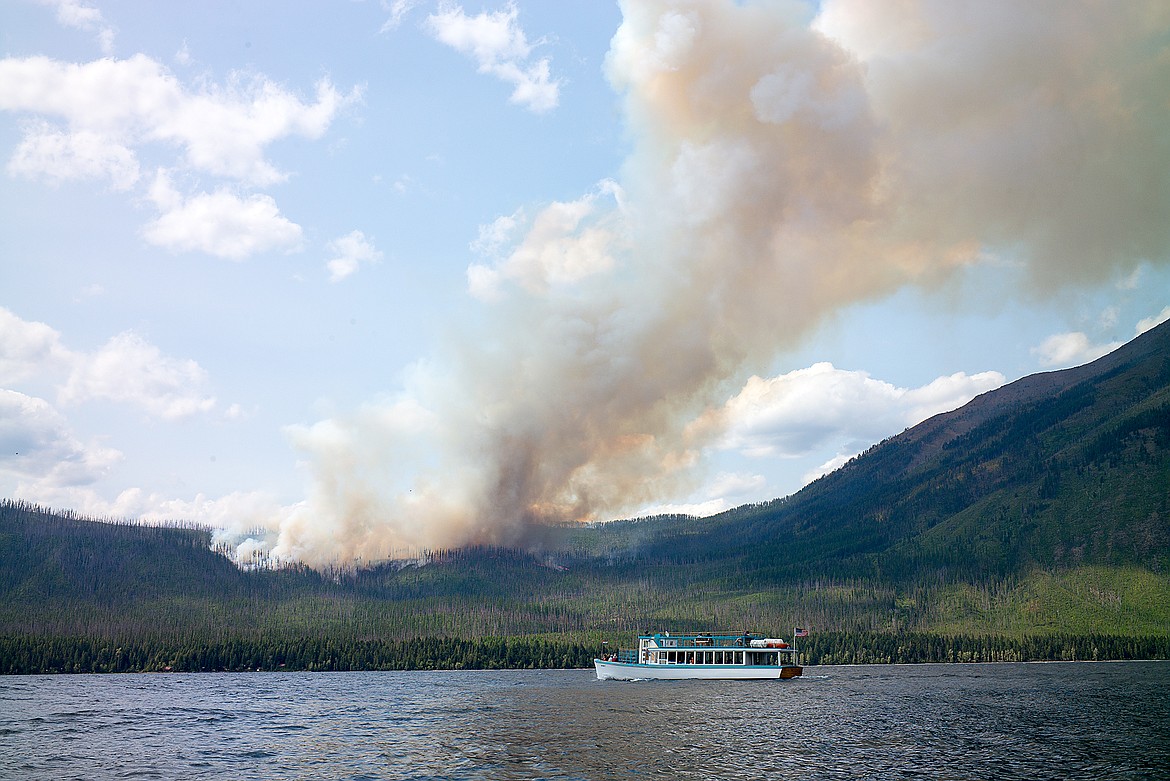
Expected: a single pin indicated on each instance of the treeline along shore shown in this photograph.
(44, 655)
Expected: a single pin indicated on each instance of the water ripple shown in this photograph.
(1108, 721)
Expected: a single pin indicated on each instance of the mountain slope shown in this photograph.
(1059, 469)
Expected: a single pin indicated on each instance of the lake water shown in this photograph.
(988, 721)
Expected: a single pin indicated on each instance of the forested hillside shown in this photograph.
(1056, 470)
(1031, 523)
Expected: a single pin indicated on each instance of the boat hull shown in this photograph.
(624, 671)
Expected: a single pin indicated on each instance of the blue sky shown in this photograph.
(354, 278)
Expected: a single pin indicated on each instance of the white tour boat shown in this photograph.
(709, 656)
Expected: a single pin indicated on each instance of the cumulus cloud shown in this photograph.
(1147, 323)
(500, 48)
(238, 518)
(59, 156)
(349, 253)
(28, 348)
(832, 465)
(43, 460)
(89, 121)
(221, 223)
(128, 369)
(1070, 349)
(221, 130)
(36, 444)
(797, 413)
(724, 491)
(125, 369)
(1076, 347)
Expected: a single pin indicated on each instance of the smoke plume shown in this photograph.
(784, 165)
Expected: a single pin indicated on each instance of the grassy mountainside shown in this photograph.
(1037, 510)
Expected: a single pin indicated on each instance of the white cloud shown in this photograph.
(496, 235)
(234, 513)
(225, 131)
(735, 486)
(108, 109)
(500, 48)
(130, 370)
(726, 490)
(233, 516)
(28, 348)
(59, 156)
(697, 509)
(350, 252)
(80, 16)
(43, 460)
(795, 414)
(221, 223)
(36, 444)
(1147, 323)
(125, 369)
(832, 465)
(221, 130)
(944, 394)
(1070, 349)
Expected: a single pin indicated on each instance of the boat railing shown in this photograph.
(708, 643)
(628, 657)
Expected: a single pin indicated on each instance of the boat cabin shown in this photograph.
(708, 649)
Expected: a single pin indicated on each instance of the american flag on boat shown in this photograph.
(800, 633)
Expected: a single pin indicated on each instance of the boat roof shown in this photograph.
(703, 636)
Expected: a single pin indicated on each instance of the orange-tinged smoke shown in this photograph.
(784, 165)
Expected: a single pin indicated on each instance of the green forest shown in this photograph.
(1031, 524)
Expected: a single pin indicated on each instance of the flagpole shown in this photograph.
(796, 633)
